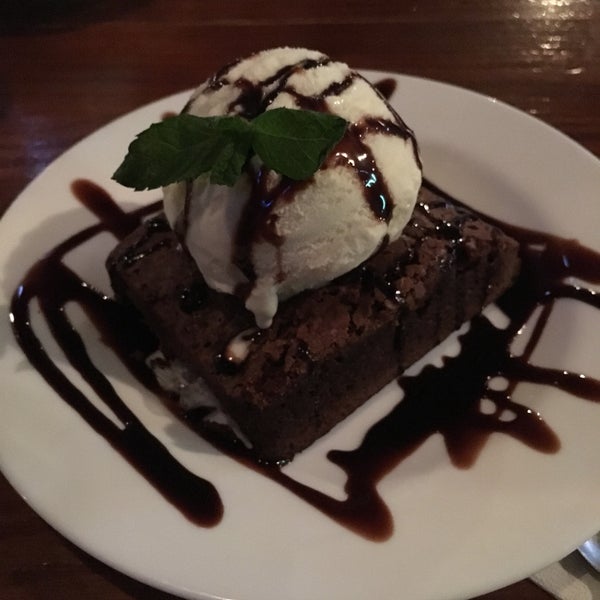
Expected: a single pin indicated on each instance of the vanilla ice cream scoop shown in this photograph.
(268, 237)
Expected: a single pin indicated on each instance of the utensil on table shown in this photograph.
(590, 550)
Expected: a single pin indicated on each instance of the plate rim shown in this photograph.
(115, 122)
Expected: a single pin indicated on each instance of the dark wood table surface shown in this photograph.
(69, 66)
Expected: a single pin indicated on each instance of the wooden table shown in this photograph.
(69, 66)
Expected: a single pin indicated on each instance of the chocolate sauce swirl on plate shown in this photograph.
(53, 285)
(444, 400)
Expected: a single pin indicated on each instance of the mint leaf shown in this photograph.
(291, 142)
(185, 147)
(295, 142)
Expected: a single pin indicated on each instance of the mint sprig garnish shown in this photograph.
(295, 142)
(292, 142)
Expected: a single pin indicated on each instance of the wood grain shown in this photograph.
(68, 67)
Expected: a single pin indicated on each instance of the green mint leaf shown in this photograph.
(295, 142)
(291, 142)
(185, 147)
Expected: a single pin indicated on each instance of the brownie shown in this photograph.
(330, 349)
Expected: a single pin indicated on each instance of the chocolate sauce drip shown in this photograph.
(352, 151)
(254, 98)
(218, 80)
(53, 285)
(284, 74)
(319, 102)
(248, 103)
(258, 223)
(386, 87)
(408, 132)
(139, 250)
(446, 400)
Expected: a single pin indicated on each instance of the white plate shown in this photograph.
(458, 533)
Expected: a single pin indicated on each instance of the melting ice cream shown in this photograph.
(268, 238)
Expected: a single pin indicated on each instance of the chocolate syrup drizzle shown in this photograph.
(443, 400)
(53, 285)
(386, 87)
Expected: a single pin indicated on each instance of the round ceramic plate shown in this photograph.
(457, 533)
